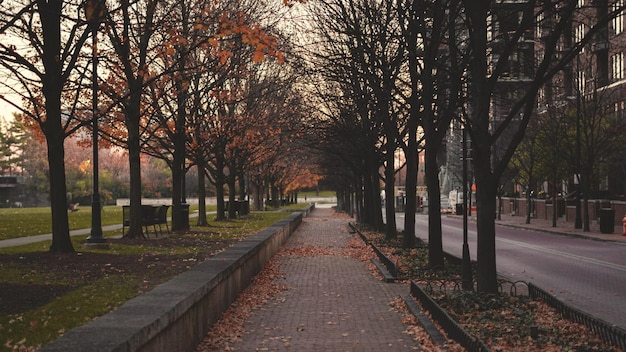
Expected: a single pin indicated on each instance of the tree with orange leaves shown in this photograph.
(168, 34)
(276, 152)
(212, 56)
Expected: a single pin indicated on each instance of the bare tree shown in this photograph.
(437, 80)
(364, 58)
(493, 56)
(130, 28)
(42, 44)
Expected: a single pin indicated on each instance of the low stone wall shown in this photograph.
(542, 210)
(176, 315)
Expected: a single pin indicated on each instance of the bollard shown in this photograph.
(624, 225)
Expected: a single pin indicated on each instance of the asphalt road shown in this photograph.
(587, 274)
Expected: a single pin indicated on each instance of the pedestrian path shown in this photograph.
(19, 241)
(563, 228)
(333, 302)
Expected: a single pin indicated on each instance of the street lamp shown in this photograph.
(578, 223)
(467, 282)
(94, 13)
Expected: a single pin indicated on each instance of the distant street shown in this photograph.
(587, 274)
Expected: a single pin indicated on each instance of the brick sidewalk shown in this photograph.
(333, 302)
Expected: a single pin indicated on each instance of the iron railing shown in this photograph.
(447, 323)
(607, 332)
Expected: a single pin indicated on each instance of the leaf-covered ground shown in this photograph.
(43, 294)
(267, 286)
(31, 281)
(504, 322)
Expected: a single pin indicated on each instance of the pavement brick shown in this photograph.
(333, 302)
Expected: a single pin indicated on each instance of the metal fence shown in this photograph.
(607, 332)
(449, 325)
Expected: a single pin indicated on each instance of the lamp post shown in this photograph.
(578, 219)
(467, 281)
(578, 222)
(94, 13)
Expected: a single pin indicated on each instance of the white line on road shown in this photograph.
(546, 250)
(564, 254)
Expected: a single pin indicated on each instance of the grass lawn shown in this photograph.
(45, 294)
(313, 194)
(23, 222)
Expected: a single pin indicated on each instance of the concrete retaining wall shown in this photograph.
(542, 210)
(176, 315)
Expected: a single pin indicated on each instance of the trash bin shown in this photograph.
(459, 209)
(243, 207)
(399, 204)
(184, 216)
(607, 220)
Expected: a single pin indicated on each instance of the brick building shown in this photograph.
(590, 90)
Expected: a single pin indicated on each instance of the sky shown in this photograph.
(6, 110)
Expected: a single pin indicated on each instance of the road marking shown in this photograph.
(563, 254)
(542, 249)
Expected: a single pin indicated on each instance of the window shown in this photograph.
(618, 110)
(618, 21)
(579, 34)
(617, 67)
(580, 80)
(539, 26)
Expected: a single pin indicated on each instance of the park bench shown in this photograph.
(241, 207)
(151, 215)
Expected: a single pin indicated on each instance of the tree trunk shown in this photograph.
(179, 223)
(202, 220)
(52, 83)
(390, 209)
(134, 159)
(410, 32)
(486, 185)
(274, 196)
(242, 186)
(358, 199)
(177, 180)
(257, 191)
(61, 241)
(133, 115)
(435, 243)
(372, 210)
(486, 192)
(529, 207)
(371, 200)
(586, 181)
(219, 188)
(232, 196)
(412, 167)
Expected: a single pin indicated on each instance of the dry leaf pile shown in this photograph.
(306, 251)
(228, 330)
(418, 333)
(502, 321)
(266, 286)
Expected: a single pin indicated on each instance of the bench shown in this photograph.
(151, 215)
(241, 207)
